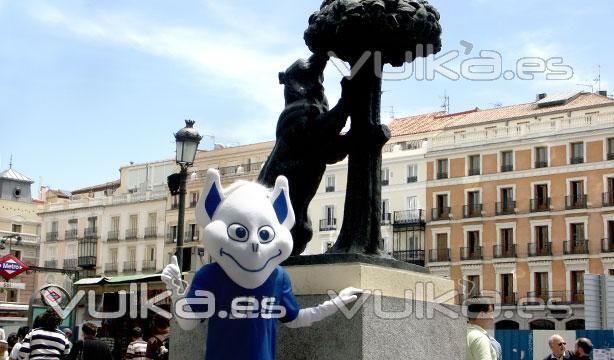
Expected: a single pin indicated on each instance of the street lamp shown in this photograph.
(187, 140)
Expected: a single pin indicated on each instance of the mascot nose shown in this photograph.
(255, 247)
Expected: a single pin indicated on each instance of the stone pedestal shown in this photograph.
(392, 323)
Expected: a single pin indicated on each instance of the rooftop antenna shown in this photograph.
(446, 102)
(587, 86)
(497, 104)
(11, 162)
(391, 112)
(598, 78)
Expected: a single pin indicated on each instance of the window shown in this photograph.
(507, 161)
(541, 157)
(507, 204)
(473, 286)
(115, 223)
(441, 210)
(577, 153)
(12, 295)
(134, 222)
(577, 243)
(412, 202)
(52, 253)
(71, 251)
(150, 253)
(132, 254)
(473, 250)
(608, 196)
(74, 223)
(91, 222)
(507, 289)
(442, 169)
(412, 173)
(541, 285)
(385, 176)
(541, 202)
(507, 243)
(193, 198)
(152, 218)
(328, 221)
(54, 226)
(16, 228)
(443, 253)
(576, 198)
(192, 233)
(113, 256)
(611, 272)
(473, 207)
(330, 183)
(610, 149)
(542, 241)
(474, 165)
(577, 286)
(386, 211)
(175, 202)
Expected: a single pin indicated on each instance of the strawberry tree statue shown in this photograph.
(369, 34)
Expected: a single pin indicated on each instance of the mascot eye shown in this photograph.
(266, 234)
(238, 232)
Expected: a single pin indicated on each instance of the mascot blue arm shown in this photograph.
(244, 293)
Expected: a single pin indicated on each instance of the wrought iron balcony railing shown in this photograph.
(191, 236)
(51, 264)
(330, 189)
(544, 250)
(52, 236)
(507, 168)
(442, 175)
(576, 160)
(328, 224)
(129, 266)
(71, 234)
(540, 204)
(442, 213)
(607, 245)
(149, 265)
(408, 217)
(506, 207)
(90, 233)
(151, 232)
(171, 237)
(473, 172)
(474, 253)
(110, 268)
(70, 264)
(412, 179)
(113, 236)
(502, 251)
(131, 234)
(409, 256)
(576, 202)
(471, 211)
(608, 199)
(576, 247)
(541, 164)
(439, 255)
(508, 299)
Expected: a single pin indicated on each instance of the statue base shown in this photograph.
(409, 315)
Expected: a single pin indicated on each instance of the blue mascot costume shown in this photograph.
(245, 292)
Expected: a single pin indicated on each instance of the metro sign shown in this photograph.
(11, 266)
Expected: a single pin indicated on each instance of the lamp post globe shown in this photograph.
(187, 140)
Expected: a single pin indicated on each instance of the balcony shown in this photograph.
(191, 236)
(386, 218)
(544, 250)
(330, 189)
(110, 268)
(149, 265)
(328, 224)
(540, 204)
(409, 256)
(408, 217)
(507, 168)
(129, 266)
(576, 247)
(501, 252)
(576, 160)
(151, 232)
(71, 234)
(193, 203)
(70, 264)
(608, 199)
(171, 237)
(439, 255)
(90, 233)
(610, 156)
(555, 297)
(576, 202)
(438, 214)
(113, 236)
(87, 253)
(473, 172)
(474, 253)
(576, 297)
(442, 175)
(607, 245)
(51, 264)
(52, 236)
(508, 299)
(471, 211)
(385, 182)
(541, 164)
(505, 208)
(131, 234)
(412, 179)
(86, 261)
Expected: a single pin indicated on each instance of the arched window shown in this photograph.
(507, 325)
(575, 324)
(541, 325)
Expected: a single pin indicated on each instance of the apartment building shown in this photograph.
(520, 202)
(20, 236)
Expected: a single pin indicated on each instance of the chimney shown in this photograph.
(603, 93)
(541, 96)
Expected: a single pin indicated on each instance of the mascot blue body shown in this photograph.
(244, 293)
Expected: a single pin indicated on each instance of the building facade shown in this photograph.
(520, 203)
(20, 229)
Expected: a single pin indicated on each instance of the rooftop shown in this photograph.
(13, 174)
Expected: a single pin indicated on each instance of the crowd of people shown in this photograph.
(47, 341)
(482, 346)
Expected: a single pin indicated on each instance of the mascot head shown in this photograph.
(246, 227)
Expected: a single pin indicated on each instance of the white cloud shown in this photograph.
(232, 60)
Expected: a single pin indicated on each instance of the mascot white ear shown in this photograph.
(211, 198)
(280, 199)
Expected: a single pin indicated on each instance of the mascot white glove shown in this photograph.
(306, 317)
(171, 276)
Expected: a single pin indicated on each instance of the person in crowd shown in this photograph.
(137, 349)
(90, 348)
(557, 349)
(21, 335)
(4, 350)
(68, 332)
(157, 345)
(11, 340)
(47, 341)
(480, 318)
(584, 347)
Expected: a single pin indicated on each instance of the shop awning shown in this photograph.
(118, 279)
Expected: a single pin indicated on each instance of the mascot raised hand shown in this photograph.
(244, 293)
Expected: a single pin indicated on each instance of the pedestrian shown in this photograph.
(21, 335)
(157, 345)
(68, 332)
(480, 315)
(137, 349)
(90, 348)
(47, 341)
(557, 349)
(11, 340)
(583, 350)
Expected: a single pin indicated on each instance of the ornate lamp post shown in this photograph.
(187, 140)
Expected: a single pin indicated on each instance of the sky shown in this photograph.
(89, 86)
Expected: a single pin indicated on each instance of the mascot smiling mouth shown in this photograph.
(222, 253)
